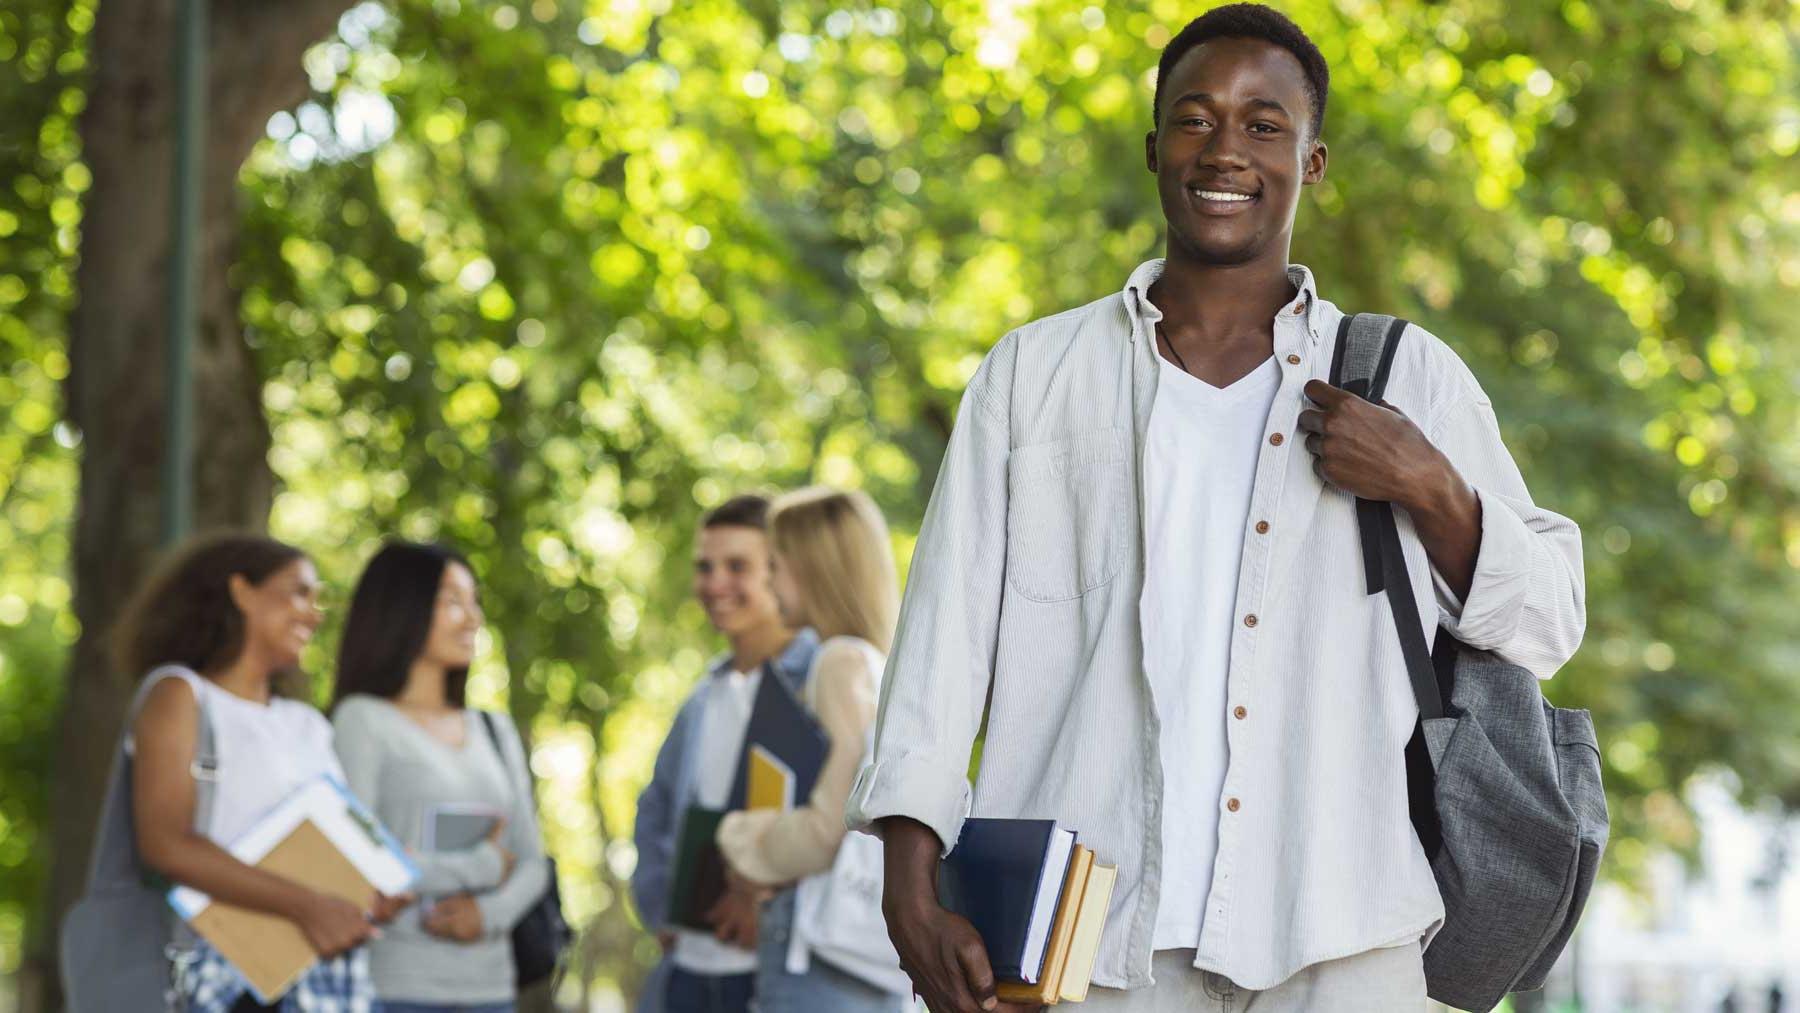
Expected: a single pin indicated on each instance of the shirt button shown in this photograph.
(1262, 527)
(1240, 713)
(1277, 439)
(1231, 804)
(1299, 307)
(1294, 360)
(1250, 620)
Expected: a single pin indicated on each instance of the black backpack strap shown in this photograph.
(1360, 364)
(493, 734)
(512, 772)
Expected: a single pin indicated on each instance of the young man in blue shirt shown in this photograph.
(713, 972)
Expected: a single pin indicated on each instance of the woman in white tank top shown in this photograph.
(212, 629)
(822, 942)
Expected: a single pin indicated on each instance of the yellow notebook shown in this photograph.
(1048, 990)
(1091, 919)
(771, 782)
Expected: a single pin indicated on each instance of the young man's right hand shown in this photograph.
(940, 951)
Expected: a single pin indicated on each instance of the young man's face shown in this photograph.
(731, 579)
(1235, 121)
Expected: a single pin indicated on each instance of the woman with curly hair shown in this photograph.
(210, 633)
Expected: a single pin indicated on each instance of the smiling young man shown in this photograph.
(701, 972)
(1141, 560)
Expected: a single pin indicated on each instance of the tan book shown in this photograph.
(1047, 991)
(319, 836)
(1089, 921)
(271, 951)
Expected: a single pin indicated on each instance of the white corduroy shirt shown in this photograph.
(1025, 585)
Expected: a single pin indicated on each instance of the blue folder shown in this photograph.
(780, 723)
(1006, 876)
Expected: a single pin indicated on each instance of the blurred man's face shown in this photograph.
(1232, 150)
(731, 579)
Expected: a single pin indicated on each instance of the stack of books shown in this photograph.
(1039, 900)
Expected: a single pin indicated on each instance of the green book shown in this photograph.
(699, 878)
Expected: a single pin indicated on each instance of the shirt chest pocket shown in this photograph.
(1065, 521)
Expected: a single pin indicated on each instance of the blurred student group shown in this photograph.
(385, 854)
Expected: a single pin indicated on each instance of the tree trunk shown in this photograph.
(117, 342)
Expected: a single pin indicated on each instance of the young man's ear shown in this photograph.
(1315, 164)
(1150, 151)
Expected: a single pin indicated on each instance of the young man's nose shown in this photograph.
(1224, 150)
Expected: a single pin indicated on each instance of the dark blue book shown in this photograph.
(1005, 877)
(781, 726)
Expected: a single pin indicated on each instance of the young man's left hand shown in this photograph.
(734, 919)
(1372, 451)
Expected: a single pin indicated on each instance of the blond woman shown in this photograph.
(823, 943)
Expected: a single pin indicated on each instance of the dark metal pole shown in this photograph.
(184, 281)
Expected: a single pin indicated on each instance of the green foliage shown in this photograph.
(42, 61)
(546, 281)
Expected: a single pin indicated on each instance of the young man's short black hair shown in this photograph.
(747, 511)
(1249, 21)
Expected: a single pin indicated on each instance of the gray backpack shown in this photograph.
(1504, 788)
(116, 941)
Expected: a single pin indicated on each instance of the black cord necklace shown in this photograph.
(1165, 336)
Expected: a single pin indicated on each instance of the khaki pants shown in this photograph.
(1390, 980)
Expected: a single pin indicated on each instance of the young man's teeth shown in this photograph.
(1220, 195)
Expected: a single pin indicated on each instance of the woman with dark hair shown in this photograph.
(428, 766)
(209, 632)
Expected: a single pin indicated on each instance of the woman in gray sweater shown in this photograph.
(431, 768)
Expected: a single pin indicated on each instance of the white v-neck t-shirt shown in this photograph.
(1199, 467)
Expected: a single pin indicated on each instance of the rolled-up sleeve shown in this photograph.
(937, 678)
(1528, 600)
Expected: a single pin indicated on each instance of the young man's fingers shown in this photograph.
(1312, 420)
(955, 979)
(1324, 394)
(973, 959)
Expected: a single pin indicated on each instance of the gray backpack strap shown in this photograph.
(205, 768)
(1365, 353)
(205, 771)
(114, 943)
(115, 845)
